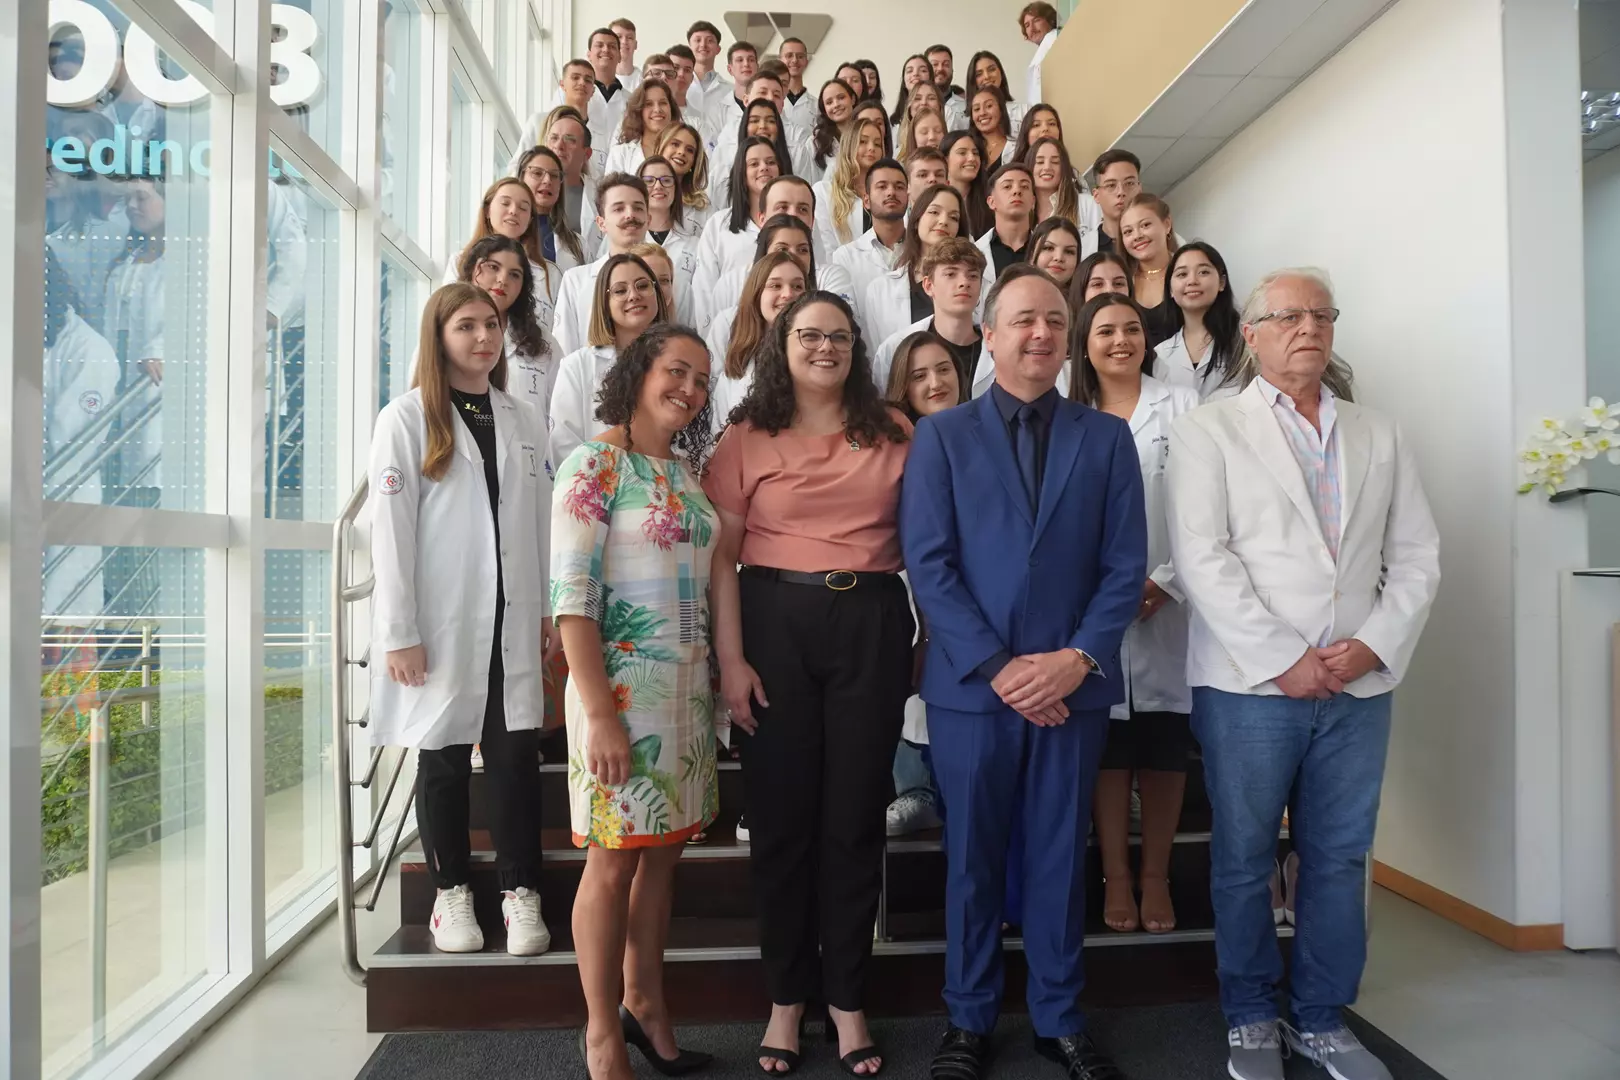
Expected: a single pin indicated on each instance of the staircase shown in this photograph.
(712, 969)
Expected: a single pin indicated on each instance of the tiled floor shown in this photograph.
(1470, 1009)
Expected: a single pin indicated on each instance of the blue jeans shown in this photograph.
(1326, 760)
(911, 771)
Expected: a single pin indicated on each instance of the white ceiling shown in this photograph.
(1268, 47)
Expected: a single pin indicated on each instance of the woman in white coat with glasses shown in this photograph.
(460, 514)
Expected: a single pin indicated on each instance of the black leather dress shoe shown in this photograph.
(962, 1055)
(1079, 1057)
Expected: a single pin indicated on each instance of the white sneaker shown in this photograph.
(526, 933)
(1339, 1052)
(742, 829)
(478, 757)
(455, 927)
(911, 812)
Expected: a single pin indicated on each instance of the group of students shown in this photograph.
(692, 341)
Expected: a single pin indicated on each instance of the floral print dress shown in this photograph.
(631, 538)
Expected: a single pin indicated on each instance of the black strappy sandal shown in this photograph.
(786, 1057)
(855, 1057)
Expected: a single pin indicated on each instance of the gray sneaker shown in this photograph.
(1339, 1052)
(1256, 1052)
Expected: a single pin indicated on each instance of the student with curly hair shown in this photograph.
(814, 637)
(632, 535)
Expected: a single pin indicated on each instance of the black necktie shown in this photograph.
(1026, 444)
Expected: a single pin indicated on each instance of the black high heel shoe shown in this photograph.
(857, 1056)
(684, 1061)
(789, 1058)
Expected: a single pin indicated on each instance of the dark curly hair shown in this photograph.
(621, 390)
(521, 323)
(771, 402)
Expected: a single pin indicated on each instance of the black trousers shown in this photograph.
(512, 775)
(818, 775)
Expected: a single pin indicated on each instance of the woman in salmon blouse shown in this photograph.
(814, 638)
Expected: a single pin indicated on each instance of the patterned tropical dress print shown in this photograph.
(631, 538)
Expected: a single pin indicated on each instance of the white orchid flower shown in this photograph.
(1598, 414)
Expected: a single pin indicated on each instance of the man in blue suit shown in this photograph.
(1025, 541)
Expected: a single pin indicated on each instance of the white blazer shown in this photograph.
(571, 319)
(433, 553)
(1250, 557)
(573, 399)
(719, 251)
(864, 260)
(1153, 656)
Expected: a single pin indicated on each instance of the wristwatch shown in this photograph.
(1090, 663)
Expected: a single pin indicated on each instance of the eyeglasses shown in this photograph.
(658, 181)
(1289, 318)
(812, 339)
(640, 285)
(1115, 187)
(542, 175)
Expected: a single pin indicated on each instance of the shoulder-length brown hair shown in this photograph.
(602, 329)
(561, 230)
(1084, 384)
(749, 330)
(911, 248)
(432, 379)
(630, 128)
(530, 239)
(898, 392)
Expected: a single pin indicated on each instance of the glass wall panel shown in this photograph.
(298, 812)
(404, 291)
(122, 798)
(306, 57)
(302, 291)
(127, 289)
(404, 119)
(463, 198)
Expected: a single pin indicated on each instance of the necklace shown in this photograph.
(1151, 273)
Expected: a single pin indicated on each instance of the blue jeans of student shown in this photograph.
(912, 772)
(1325, 760)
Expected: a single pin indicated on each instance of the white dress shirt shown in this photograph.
(865, 260)
(1033, 83)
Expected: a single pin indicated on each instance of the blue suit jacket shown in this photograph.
(988, 575)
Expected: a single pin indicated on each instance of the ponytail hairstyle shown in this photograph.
(749, 330)
(562, 231)
(521, 325)
(846, 172)
(432, 378)
(694, 186)
(741, 211)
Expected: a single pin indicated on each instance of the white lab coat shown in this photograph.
(1153, 656)
(1032, 84)
(1250, 557)
(826, 228)
(80, 381)
(725, 393)
(573, 398)
(864, 260)
(681, 245)
(531, 378)
(719, 251)
(86, 249)
(571, 318)
(624, 157)
(1172, 364)
(956, 113)
(801, 162)
(433, 552)
(883, 355)
(802, 113)
(887, 307)
(988, 281)
(286, 255)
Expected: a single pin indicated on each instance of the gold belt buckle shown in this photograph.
(850, 574)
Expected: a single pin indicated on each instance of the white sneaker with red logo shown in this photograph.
(455, 927)
(526, 933)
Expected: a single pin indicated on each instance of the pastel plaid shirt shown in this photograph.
(1317, 454)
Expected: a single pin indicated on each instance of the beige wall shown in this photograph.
(1102, 73)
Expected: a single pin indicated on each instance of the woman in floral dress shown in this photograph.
(632, 534)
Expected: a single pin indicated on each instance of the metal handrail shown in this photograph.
(344, 594)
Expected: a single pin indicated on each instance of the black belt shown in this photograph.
(836, 580)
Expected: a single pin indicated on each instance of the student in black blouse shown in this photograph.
(1148, 233)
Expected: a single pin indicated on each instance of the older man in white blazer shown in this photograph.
(1301, 535)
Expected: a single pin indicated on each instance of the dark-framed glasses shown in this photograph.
(812, 339)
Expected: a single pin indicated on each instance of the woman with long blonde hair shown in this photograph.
(459, 633)
(840, 215)
(682, 146)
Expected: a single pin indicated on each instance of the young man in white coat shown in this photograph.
(872, 254)
(1039, 24)
(799, 104)
(1304, 544)
(621, 215)
(952, 275)
(703, 41)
